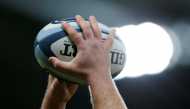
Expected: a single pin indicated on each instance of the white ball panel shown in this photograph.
(58, 48)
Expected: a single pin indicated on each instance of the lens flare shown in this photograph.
(149, 49)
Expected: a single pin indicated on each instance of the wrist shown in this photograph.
(50, 102)
(95, 78)
(52, 99)
(99, 88)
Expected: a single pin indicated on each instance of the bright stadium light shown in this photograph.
(149, 49)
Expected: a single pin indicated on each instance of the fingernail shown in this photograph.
(52, 61)
(65, 24)
(78, 16)
(50, 58)
(92, 17)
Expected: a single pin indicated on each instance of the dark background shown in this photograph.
(23, 82)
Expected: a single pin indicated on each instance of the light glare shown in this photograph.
(149, 49)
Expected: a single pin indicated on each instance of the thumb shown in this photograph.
(60, 65)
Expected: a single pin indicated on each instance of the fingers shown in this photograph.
(60, 65)
(95, 27)
(85, 26)
(50, 80)
(73, 34)
(109, 41)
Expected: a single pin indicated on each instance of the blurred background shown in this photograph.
(23, 82)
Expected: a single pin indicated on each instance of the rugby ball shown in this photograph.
(52, 40)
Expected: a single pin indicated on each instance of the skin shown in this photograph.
(92, 63)
(57, 94)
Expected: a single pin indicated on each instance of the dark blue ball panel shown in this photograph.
(46, 43)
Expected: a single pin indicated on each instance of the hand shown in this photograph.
(58, 93)
(92, 59)
(92, 63)
(62, 91)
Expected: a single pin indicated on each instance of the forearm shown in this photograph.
(105, 94)
(51, 101)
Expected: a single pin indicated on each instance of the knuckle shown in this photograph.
(87, 32)
(96, 46)
(55, 64)
(85, 26)
(73, 33)
(77, 40)
(95, 28)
